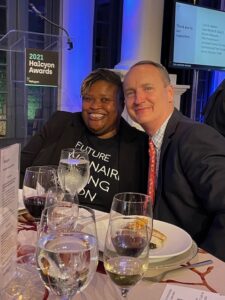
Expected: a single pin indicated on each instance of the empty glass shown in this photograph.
(56, 195)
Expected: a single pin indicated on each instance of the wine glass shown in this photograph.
(127, 244)
(57, 194)
(73, 170)
(67, 255)
(37, 181)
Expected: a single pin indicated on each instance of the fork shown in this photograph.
(159, 277)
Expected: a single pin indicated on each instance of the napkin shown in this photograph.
(175, 292)
(20, 200)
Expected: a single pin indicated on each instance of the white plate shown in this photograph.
(177, 242)
(20, 200)
(157, 266)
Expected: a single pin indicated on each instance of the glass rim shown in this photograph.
(90, 210)
(116, 196)
(73, 150)
(41, 169)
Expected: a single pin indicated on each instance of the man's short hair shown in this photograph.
(106, 75)
(160, 67)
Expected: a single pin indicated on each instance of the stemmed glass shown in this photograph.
(67, 250)
(126, 253)
(73, 170)
(37, 181)
(57, 195)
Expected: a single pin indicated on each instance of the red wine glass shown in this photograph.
(126, 252)
(37, 181)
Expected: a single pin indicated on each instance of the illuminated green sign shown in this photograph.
(41, 67)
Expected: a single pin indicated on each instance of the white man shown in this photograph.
(190, 158)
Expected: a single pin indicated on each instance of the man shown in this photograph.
(214, 111)
(190, 167)
(117, 152)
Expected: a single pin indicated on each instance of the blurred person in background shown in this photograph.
(214, 111)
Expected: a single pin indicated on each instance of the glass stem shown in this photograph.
(124, 292)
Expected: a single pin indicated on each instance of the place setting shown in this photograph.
(134, 247)
(45, 187)
(130, 245)
(174, 253)
(171, 247)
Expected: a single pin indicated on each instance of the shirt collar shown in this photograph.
(157, 138)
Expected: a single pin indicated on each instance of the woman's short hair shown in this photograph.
(105, 75)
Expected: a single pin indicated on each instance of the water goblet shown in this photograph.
(130, 203)
(73, 170)
(57, 195)
(67, 255)
(127, 244)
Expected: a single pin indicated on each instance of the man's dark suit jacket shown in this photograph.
(62, 131)
(214, 111)
(191, 182)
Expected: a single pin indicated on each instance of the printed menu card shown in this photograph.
(9, 184)
(175, 292)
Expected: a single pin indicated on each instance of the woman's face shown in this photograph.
(101, 109)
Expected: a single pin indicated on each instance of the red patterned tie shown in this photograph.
(152, 170)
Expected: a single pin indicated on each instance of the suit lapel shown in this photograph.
(170, 129)
(126, 136)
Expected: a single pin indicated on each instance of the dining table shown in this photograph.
(210, 278)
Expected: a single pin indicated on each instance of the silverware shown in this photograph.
(157, 278)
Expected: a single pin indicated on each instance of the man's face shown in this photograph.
(101, 109)
(148, 99)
